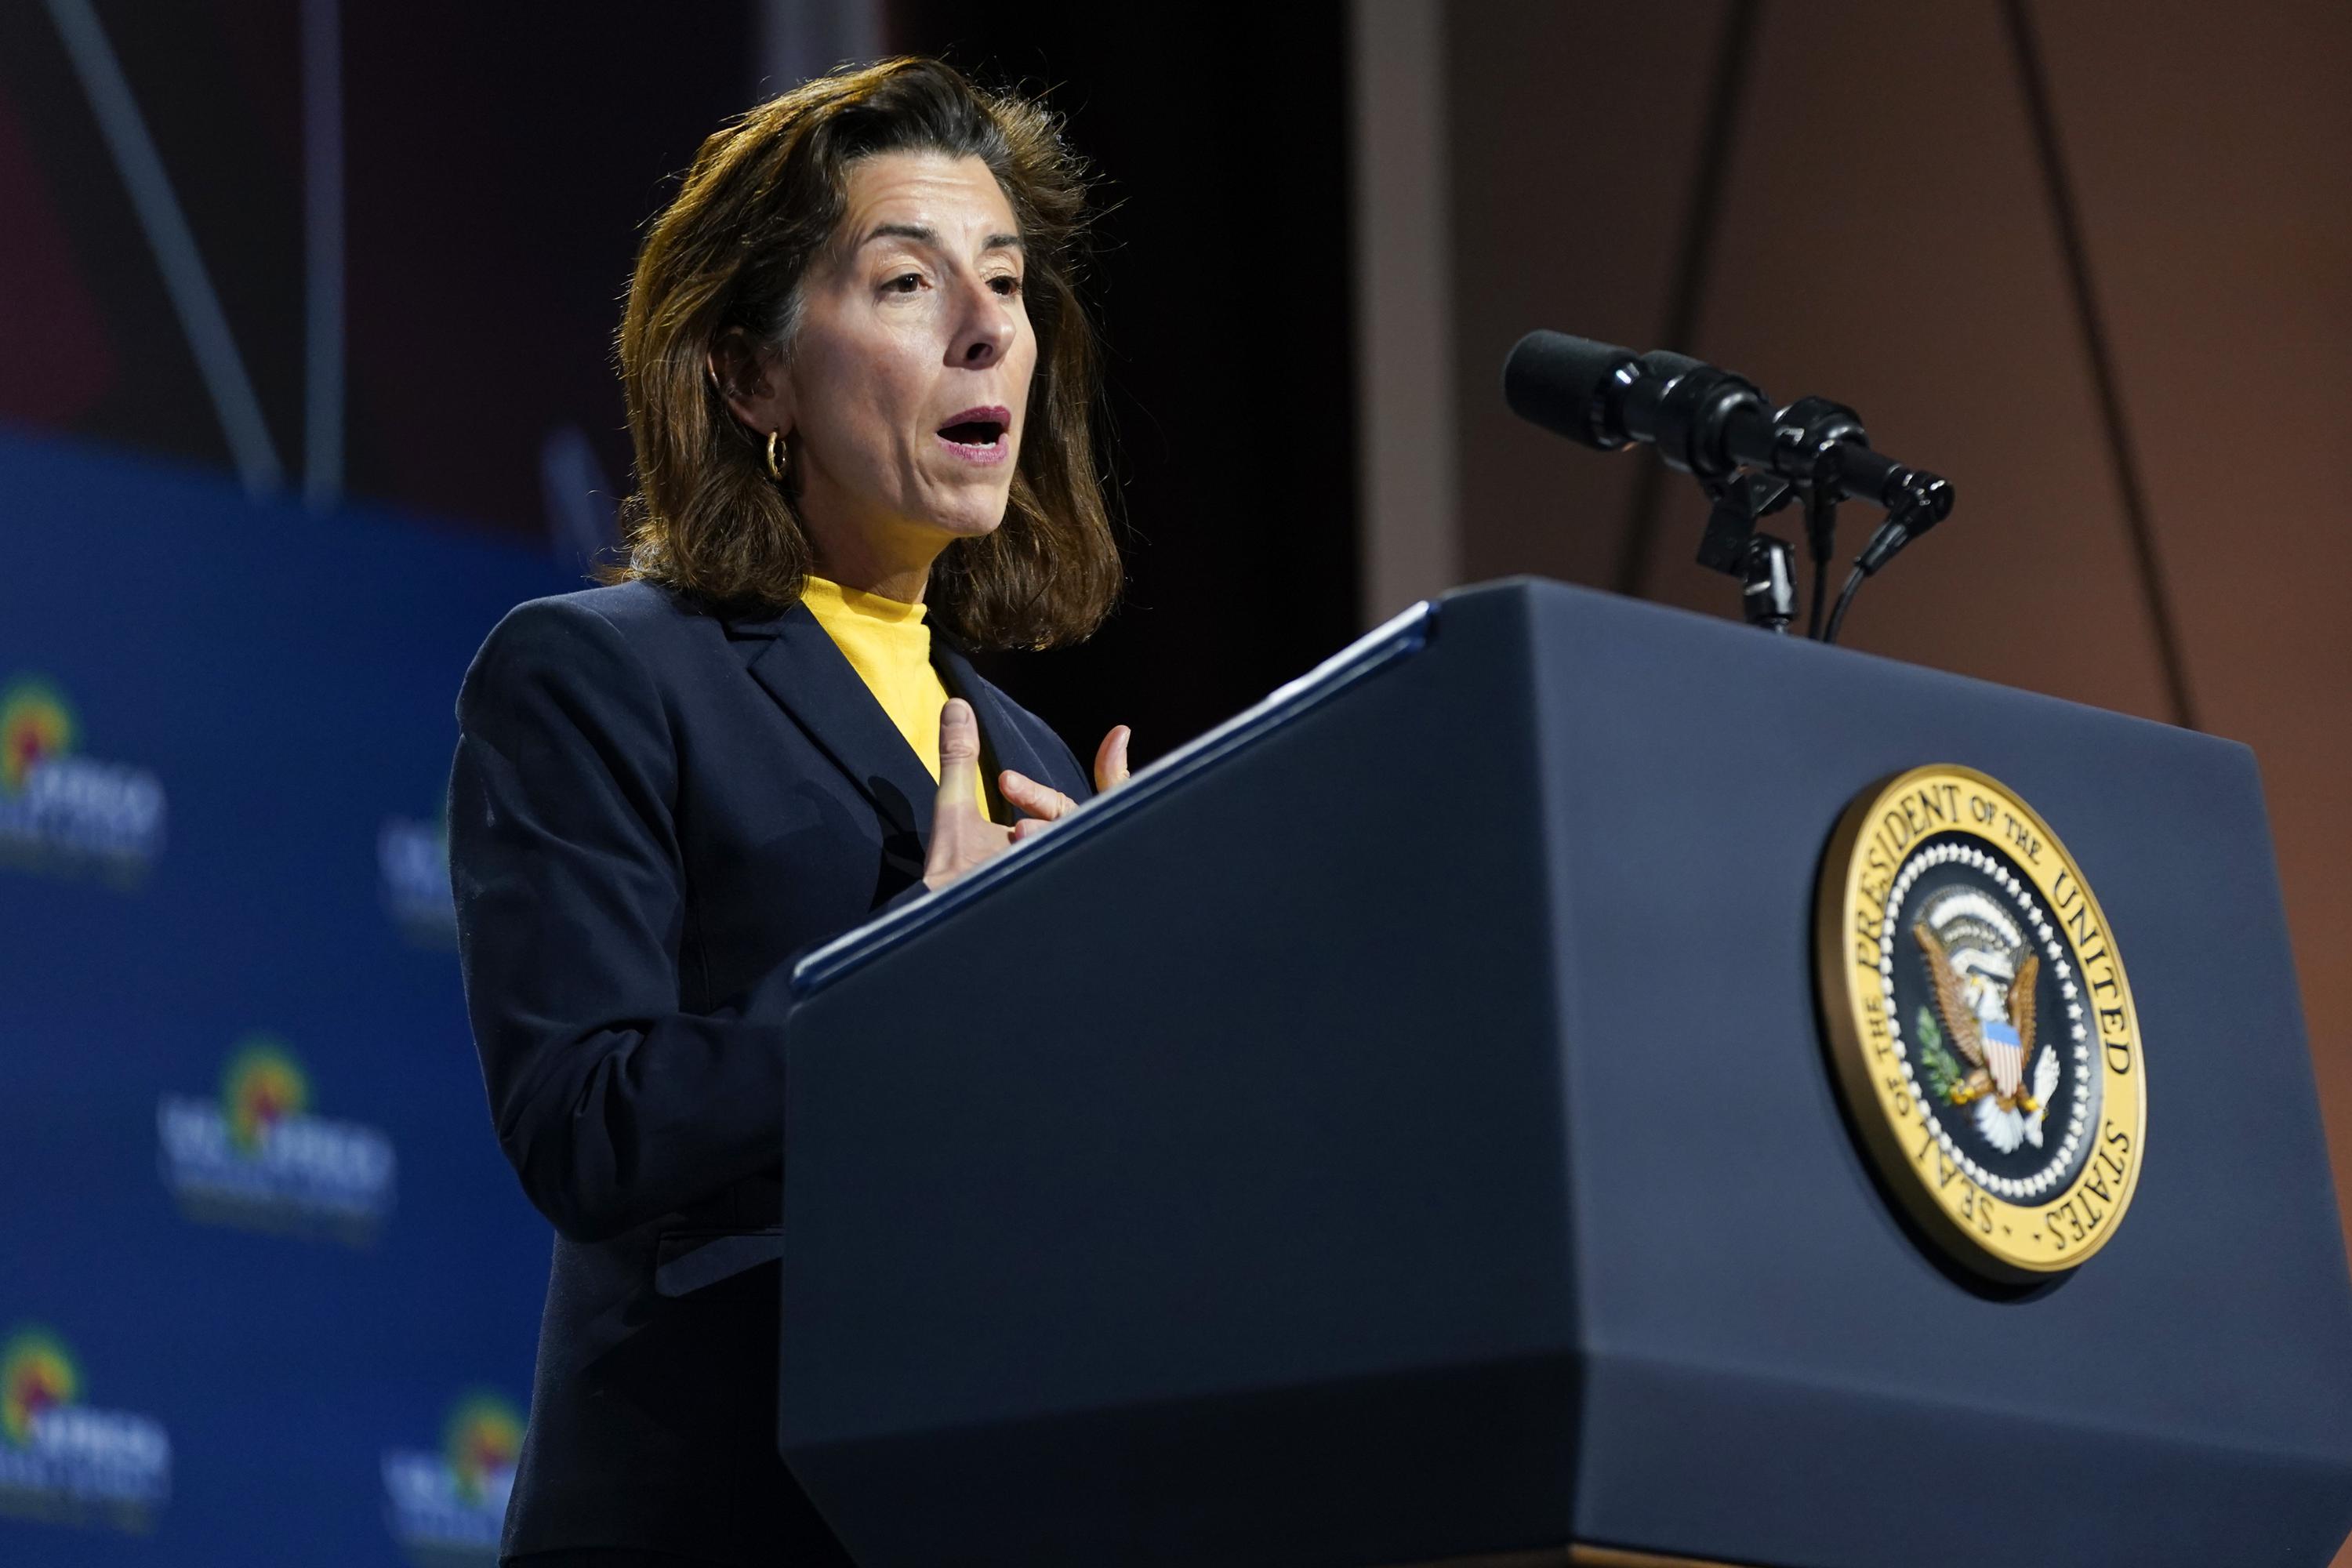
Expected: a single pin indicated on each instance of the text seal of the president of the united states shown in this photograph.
(1980, 1022)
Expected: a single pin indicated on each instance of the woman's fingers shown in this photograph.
(958, 751)
(960, 837)
(1041, 804)
(1110, 758)
(1035, 798)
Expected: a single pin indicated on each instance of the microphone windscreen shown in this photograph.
(1556, 381)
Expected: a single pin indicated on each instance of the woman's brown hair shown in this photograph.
(761, 203)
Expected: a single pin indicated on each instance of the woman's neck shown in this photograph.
(887, 561)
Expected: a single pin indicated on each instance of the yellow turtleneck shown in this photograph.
(887, 643)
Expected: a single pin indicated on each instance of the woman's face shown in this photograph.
(907, 382)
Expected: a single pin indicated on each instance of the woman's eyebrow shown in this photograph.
(923, 233)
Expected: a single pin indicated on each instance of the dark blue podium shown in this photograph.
(1397, 1128)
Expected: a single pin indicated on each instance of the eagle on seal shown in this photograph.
(1993, 1027)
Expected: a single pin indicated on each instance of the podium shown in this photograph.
(1398, 1129)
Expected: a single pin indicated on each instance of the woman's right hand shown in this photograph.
(962, 838)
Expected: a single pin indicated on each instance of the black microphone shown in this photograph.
(1710, 422)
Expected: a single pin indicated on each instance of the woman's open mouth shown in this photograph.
(979, 435)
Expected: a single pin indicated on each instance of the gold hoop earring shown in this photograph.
(776, 456)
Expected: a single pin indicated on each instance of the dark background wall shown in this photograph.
(496, 172)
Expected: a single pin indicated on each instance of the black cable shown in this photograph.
(1845, 597)
(1820, 539)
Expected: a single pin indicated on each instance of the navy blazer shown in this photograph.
(652, 810)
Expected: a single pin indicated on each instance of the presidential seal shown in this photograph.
(1980, 1023)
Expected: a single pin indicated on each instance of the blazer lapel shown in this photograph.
(1001, 733)
(806, 671)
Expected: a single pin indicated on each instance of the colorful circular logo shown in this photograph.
(263, 1086)
(481, 1444)
(35, 723)
(36, 1374)
(1980, 1025)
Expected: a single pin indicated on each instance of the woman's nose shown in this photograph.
(987, 329)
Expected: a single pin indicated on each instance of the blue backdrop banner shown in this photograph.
(271, 1291)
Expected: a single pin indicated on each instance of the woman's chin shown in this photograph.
(970, 522)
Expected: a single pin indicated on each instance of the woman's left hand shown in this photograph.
(1045, 804)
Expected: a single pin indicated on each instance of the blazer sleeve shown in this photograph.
(614, 1105)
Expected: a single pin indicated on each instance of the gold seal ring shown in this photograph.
(1980, 1023)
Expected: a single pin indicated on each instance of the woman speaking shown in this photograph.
(858, 381)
